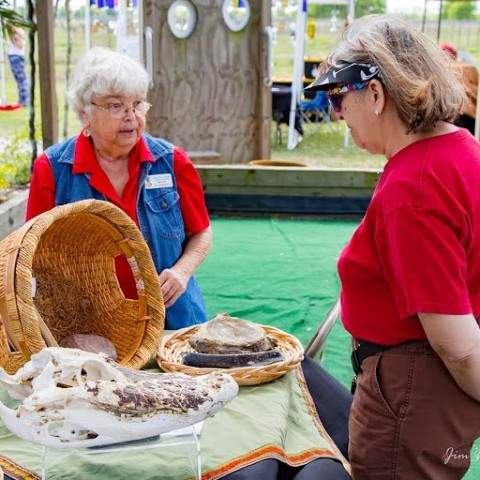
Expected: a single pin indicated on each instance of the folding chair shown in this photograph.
(317, 108)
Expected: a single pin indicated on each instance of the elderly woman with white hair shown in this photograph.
(150, 179)
(410, 274)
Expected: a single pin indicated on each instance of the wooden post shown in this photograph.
(265, 85)
(46, 64)
(31, 100)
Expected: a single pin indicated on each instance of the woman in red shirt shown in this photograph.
(154, 182)
(410, 274)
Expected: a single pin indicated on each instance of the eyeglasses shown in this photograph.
(335, 95)
(119, 109)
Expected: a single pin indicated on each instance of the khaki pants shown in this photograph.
(409, 419)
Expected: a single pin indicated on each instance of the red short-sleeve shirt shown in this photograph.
(192, 202)
(417, 248)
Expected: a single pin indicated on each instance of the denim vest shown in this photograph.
(158, 211)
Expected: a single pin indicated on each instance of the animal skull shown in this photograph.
(72, 398)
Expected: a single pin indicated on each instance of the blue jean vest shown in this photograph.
(158, 211)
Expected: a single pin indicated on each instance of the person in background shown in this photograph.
(16, 58)
(151, 180)
(469, 76)
(410, 274)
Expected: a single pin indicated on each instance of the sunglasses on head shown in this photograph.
(335, 95)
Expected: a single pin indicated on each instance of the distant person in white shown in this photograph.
(16, 57)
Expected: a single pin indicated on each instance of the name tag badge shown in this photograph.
(162, 180)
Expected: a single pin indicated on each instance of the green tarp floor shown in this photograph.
(282, 272)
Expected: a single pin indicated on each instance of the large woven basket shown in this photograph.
(173, 346)
(57, 278)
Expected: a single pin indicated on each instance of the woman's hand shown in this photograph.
(456, 339)
(174, 280)
(173, 283)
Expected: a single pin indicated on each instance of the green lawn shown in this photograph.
(323, 145)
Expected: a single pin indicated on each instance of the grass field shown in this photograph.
(322, 145)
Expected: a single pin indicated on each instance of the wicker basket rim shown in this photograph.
(173, 345)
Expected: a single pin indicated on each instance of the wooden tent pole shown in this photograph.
(31, 58)
(48, 93)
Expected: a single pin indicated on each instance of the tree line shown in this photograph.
(452, 9)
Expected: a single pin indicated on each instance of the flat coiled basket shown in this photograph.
(58, 278)
(173, 346)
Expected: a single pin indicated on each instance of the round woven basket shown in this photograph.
(172, 347)
(57, 278)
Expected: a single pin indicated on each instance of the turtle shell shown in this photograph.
(226, 334)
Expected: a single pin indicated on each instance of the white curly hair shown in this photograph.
(102, 72)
